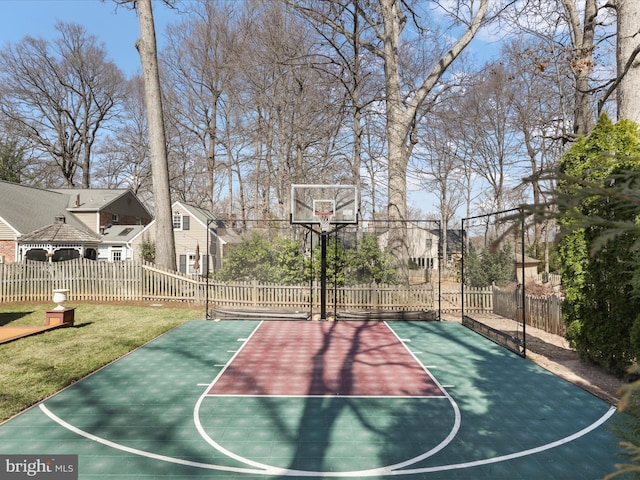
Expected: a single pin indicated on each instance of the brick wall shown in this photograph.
(8, 250)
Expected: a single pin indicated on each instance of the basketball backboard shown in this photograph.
(310, 202)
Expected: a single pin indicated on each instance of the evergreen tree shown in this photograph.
(597, 263)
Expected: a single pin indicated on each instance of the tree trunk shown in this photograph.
(582, 38)
(628, 100)
(211, 155)
(397, 134)
(146, 45)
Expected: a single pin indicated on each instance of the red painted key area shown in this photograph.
(291, 358)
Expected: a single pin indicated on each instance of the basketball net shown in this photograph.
(325, 220)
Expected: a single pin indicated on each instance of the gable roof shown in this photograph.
(26, 209)
(204, 218)
(93, 199)
(202, 215)
(59, 232)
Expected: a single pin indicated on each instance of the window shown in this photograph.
(39, 254)
(177, 221)
(116, 255)
(115, 218)
(190, 261)
(180, 222)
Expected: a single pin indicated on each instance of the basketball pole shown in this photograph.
(323, 275)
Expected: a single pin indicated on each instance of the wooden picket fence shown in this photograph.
(92, 281)
(544, 313)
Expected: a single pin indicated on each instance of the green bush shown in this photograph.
(573, 332)
(490, 267)
(280, 260)
(265, 260)
(597, 265)
(367, 263)
(336, 263)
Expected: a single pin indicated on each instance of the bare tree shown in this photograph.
(146, 45)
(199, 61)
(488, 106)
(582, 64)
(407, 90)
(342, 32)
(297, 113)
(533, 71)
(440, 164)
(62, 94)
(578, 33)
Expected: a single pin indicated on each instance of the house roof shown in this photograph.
(91, 199)
(59, 232)
(201, 214)
(121, 233)
(454, 239)
(26, 209)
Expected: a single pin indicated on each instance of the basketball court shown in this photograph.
(250, 399)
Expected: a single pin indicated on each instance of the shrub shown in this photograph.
(601, 303)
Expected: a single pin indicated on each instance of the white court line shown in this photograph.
(262, 469)
(361, 473)
(377, 471)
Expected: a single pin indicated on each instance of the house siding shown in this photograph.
(128, 209)
(6, 232)
(188, 239)
(87, 218)
(186, 242)
(7, 243)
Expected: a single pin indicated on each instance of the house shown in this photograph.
(118, 242)
(99, 208)
(60, 224)
(424, 243)
(201, 240)
(116, 214)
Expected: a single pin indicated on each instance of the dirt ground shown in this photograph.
(553, 353)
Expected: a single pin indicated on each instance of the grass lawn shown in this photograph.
(33, 368)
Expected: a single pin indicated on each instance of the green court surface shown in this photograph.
(148, 416)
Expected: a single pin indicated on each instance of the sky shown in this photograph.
(116, 27)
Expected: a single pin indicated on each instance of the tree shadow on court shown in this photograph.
(508, 405)
(147, 403)
(323, 408)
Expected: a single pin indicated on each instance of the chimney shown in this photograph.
(77, 200)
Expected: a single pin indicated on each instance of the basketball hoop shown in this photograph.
(325, 220)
